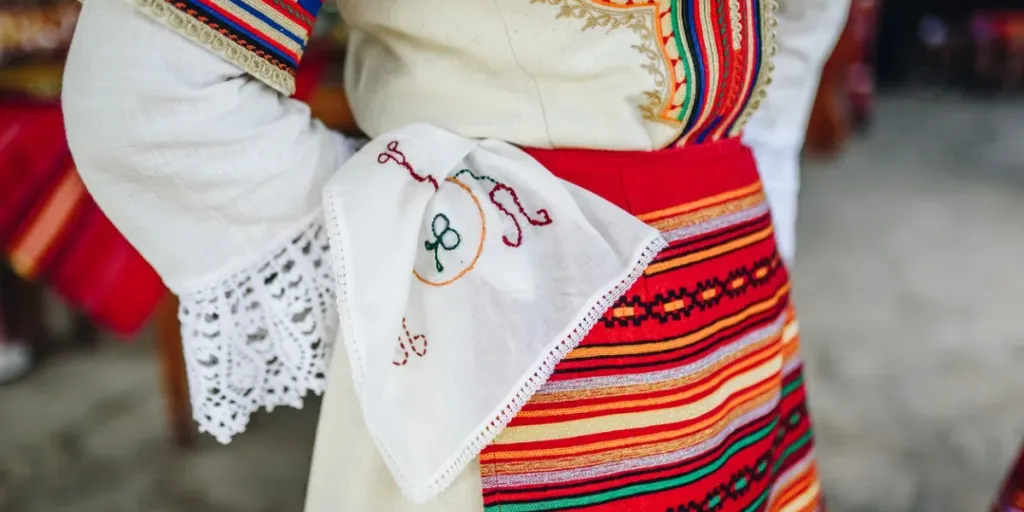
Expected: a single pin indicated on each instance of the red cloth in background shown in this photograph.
(52, 231)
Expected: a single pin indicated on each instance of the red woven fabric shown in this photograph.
(688, 394)
(52, 231)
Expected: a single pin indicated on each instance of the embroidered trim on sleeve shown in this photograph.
(266, 38)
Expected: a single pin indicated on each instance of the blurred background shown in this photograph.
(909, 278)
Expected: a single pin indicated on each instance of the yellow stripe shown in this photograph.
(789, 333)
(40, 235)
(264, 29)
(709, 213)
(713, 380)
(742, 404)
(791, 484)
(588, 426)
(710, 252)
(634, 447)
(711, 69)
(288, 24)
(630, 390)
(708, 201)
(803, 501)
(642, 348)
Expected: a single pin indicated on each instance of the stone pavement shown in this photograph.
(909, 284)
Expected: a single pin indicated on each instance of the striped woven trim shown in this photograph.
(266, 38)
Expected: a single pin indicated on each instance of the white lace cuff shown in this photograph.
(261, 335)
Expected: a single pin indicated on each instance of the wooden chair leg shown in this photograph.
(172, 367)
(829, 125)
(24, 310)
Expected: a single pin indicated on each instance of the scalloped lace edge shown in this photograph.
(260, 334)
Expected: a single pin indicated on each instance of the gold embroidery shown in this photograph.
(736, 24)
(212, 40)
(673, 99)
(768, 24)
(640, 19)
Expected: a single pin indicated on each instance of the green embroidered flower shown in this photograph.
(444, 238)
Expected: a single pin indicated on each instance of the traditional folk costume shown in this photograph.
(500, 322)
(807, 32)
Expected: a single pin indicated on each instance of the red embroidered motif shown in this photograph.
(544, 219)
(417, 343)
(393, 154)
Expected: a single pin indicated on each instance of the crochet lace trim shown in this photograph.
(262, 335)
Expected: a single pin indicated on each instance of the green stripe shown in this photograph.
(684, 55)
(626, 492)
(799, 443)
(768, 490)
(760, 499)
(792, 386)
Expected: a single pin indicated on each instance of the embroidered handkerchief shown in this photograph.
(465, 271)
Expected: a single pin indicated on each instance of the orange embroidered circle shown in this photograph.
(479, 248)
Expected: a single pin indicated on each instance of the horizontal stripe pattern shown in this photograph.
(267, 38)
(688, 395)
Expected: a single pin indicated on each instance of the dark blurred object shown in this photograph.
(21, 323)
(846, 91)
(35, 28)
(26, 338)
(977, 44)
(997, 38)
(33, 79)
(173, 372)
(34, 37)
(319, 82)
(1011, 496)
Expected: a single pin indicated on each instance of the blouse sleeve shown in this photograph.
(806, 32)
(216, 180)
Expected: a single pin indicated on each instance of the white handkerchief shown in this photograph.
(465, 271)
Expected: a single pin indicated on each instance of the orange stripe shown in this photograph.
(610, 393)
(739, 405)
(682, 341)
(710, 382)
(796, 490)
(796, 486)
(1018, 499)
(708, 201)
(790, 350)
(27, 252)
(711, 212)
(710, 253)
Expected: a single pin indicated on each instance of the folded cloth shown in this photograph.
(464, 272)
